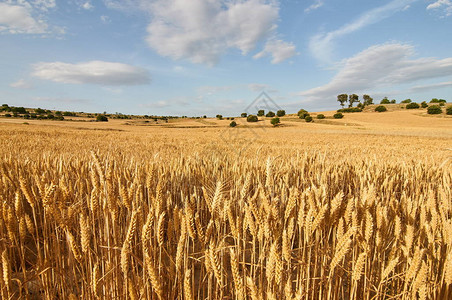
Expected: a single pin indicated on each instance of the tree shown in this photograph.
(412, 105)
(385, 100)
(320, 116)
(252, 118)
(338, 116)
(308, 119)
(101, 118)
(434, 110)
(368, 100)
(406, 101)
(270, 114)
(281, 113)
(393, 101)
(352, 99)
(261, 113)
(424, 104)
(219, 117)
(233, 124)
(244, 115)
(342, 98)
(449, 110)
(275, 121)
(302, 113)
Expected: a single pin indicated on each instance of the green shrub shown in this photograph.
(412, 105)
(270, 114)
(350, 110)
(338, 115)
(275, 121)
(244, 115)
(219, 117)
(308, 119)
(449, 110)
(281, 113)
(393, 101)
(101, 118)
(424, 104)
(50, 116)
(8, 115)
(251, 118)
(302, 113)
(261, 113)
(381, 108)
(406, 101)
(434, 110)
(232, 124)
(320, 116)
(442, 104)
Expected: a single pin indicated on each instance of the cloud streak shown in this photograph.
(92, 72)
(322, 45)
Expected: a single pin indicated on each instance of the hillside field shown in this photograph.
(352, 208)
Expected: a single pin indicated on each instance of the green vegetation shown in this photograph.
(275, 121)
(270, 114)
(244, 115)
(434, 110)
(232, 124)
(303, 113)
(424, 104)
(252, 118)
(449, 110)
(412, 105)
(320, 116)
(350, 110)
(261, 113)
(281, 113)
(101, 118)
(338, 115)
(406, 101)
(308, 119)
(381, 108)
(385, 100)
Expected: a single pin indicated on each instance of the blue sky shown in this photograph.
(196, 57)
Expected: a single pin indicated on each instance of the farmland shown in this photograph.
(356, 208)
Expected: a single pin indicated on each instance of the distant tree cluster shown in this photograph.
(354, 98)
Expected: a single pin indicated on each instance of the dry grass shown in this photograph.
(171, 213)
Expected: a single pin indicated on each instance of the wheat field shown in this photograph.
(180, 213)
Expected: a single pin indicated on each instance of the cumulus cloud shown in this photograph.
(445, 5)
(317, 4)
(201, 31)
(380, 66)
(92, 72)
(322, 45)
(16, 19)
(278, 49)
(21, 84)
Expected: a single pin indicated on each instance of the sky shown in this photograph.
(208, 57)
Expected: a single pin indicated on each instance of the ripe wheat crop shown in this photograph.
(89, 215)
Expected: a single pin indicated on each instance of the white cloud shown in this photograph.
(92, 72)
(41, 4)
(432, 86)
(322, 45)
(201, 31)
(278, 49)
(87, 5)
(317, 4)
(16, 19)
(21, 84)
(380, 66)
(446, 5)
(105, 19)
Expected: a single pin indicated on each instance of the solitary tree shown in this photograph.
(352, 99)
(368, 100)
(342, 98)
(270, 114)
(281, 113)
(261, 113)
(275, 121)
